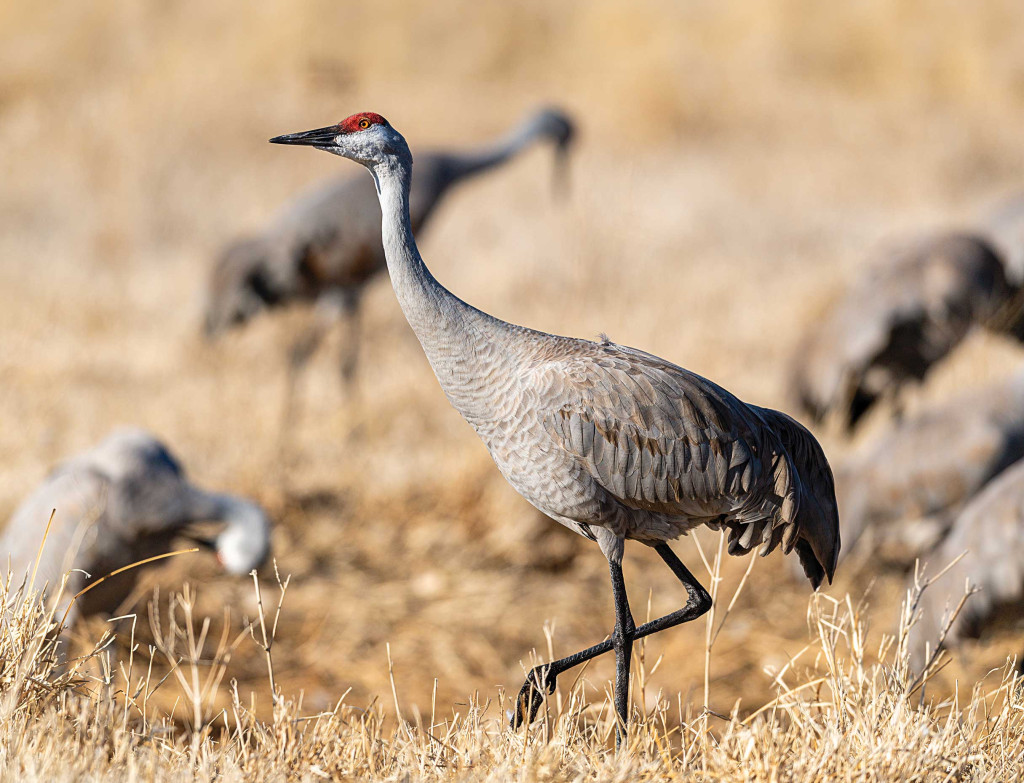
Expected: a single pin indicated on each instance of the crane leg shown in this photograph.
(349, 358)
(542, 679)
(299, 354)
(622, 642)
(332, 306)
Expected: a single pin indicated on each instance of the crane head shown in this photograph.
(244, 543)
(366, 138)
(556, 125)
(235, 529)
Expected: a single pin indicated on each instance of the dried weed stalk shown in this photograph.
(844, 708)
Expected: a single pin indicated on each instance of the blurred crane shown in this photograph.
(326, 245)
(989, 532)
(903, 492)
(124, 500)
(612, 442)
(898, 320)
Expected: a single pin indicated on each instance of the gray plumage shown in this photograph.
(124, 500)
(610, 441)
(898, 320)
(328, 241)
(903, 491)
(620, 444)
(990, 529)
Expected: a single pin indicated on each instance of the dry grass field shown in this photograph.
(738, 162)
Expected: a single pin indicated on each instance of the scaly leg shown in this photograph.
(622, 641)
(542, 679)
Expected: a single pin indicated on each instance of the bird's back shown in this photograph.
(116, 503)
(77, 498)
(908, 485)
(990, 530)
(149, 492)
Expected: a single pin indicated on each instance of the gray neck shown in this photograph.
(468, 163)
(244, 542)
(466, 348)
(206, 506)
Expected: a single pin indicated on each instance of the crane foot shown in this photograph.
(540, 682)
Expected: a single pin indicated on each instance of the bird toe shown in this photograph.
(539, 683)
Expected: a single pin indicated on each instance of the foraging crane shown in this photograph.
(612, 442)
(900, 319)
(990, 530)
(904, 491)
(122, 501)
(326, 246)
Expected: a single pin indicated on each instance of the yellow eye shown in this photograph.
(364, 123)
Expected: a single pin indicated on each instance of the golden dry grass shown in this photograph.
(846, 706)
(738, 163)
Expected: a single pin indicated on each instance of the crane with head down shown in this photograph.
(122, 501)
(898, 320)
(612, 442)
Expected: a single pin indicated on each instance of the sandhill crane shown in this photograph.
(326, 245)
(898, 320)
(905, 489)
(990, 530)
(610, 441)
(119, 502)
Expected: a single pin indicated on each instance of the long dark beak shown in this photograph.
(321, 137)
(201, 541)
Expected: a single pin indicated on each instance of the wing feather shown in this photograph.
(652, 433)
(661, 439)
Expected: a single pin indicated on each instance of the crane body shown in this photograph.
(610, 441)
(122, 501)
(988, 537)
(904, 491)
(898, 320)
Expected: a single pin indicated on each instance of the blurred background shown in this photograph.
(737, 164)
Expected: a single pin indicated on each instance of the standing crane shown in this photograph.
(904, 491)
(326, 246)
(900, 319)
(989, 533)
(122, 501)
(612, 442)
